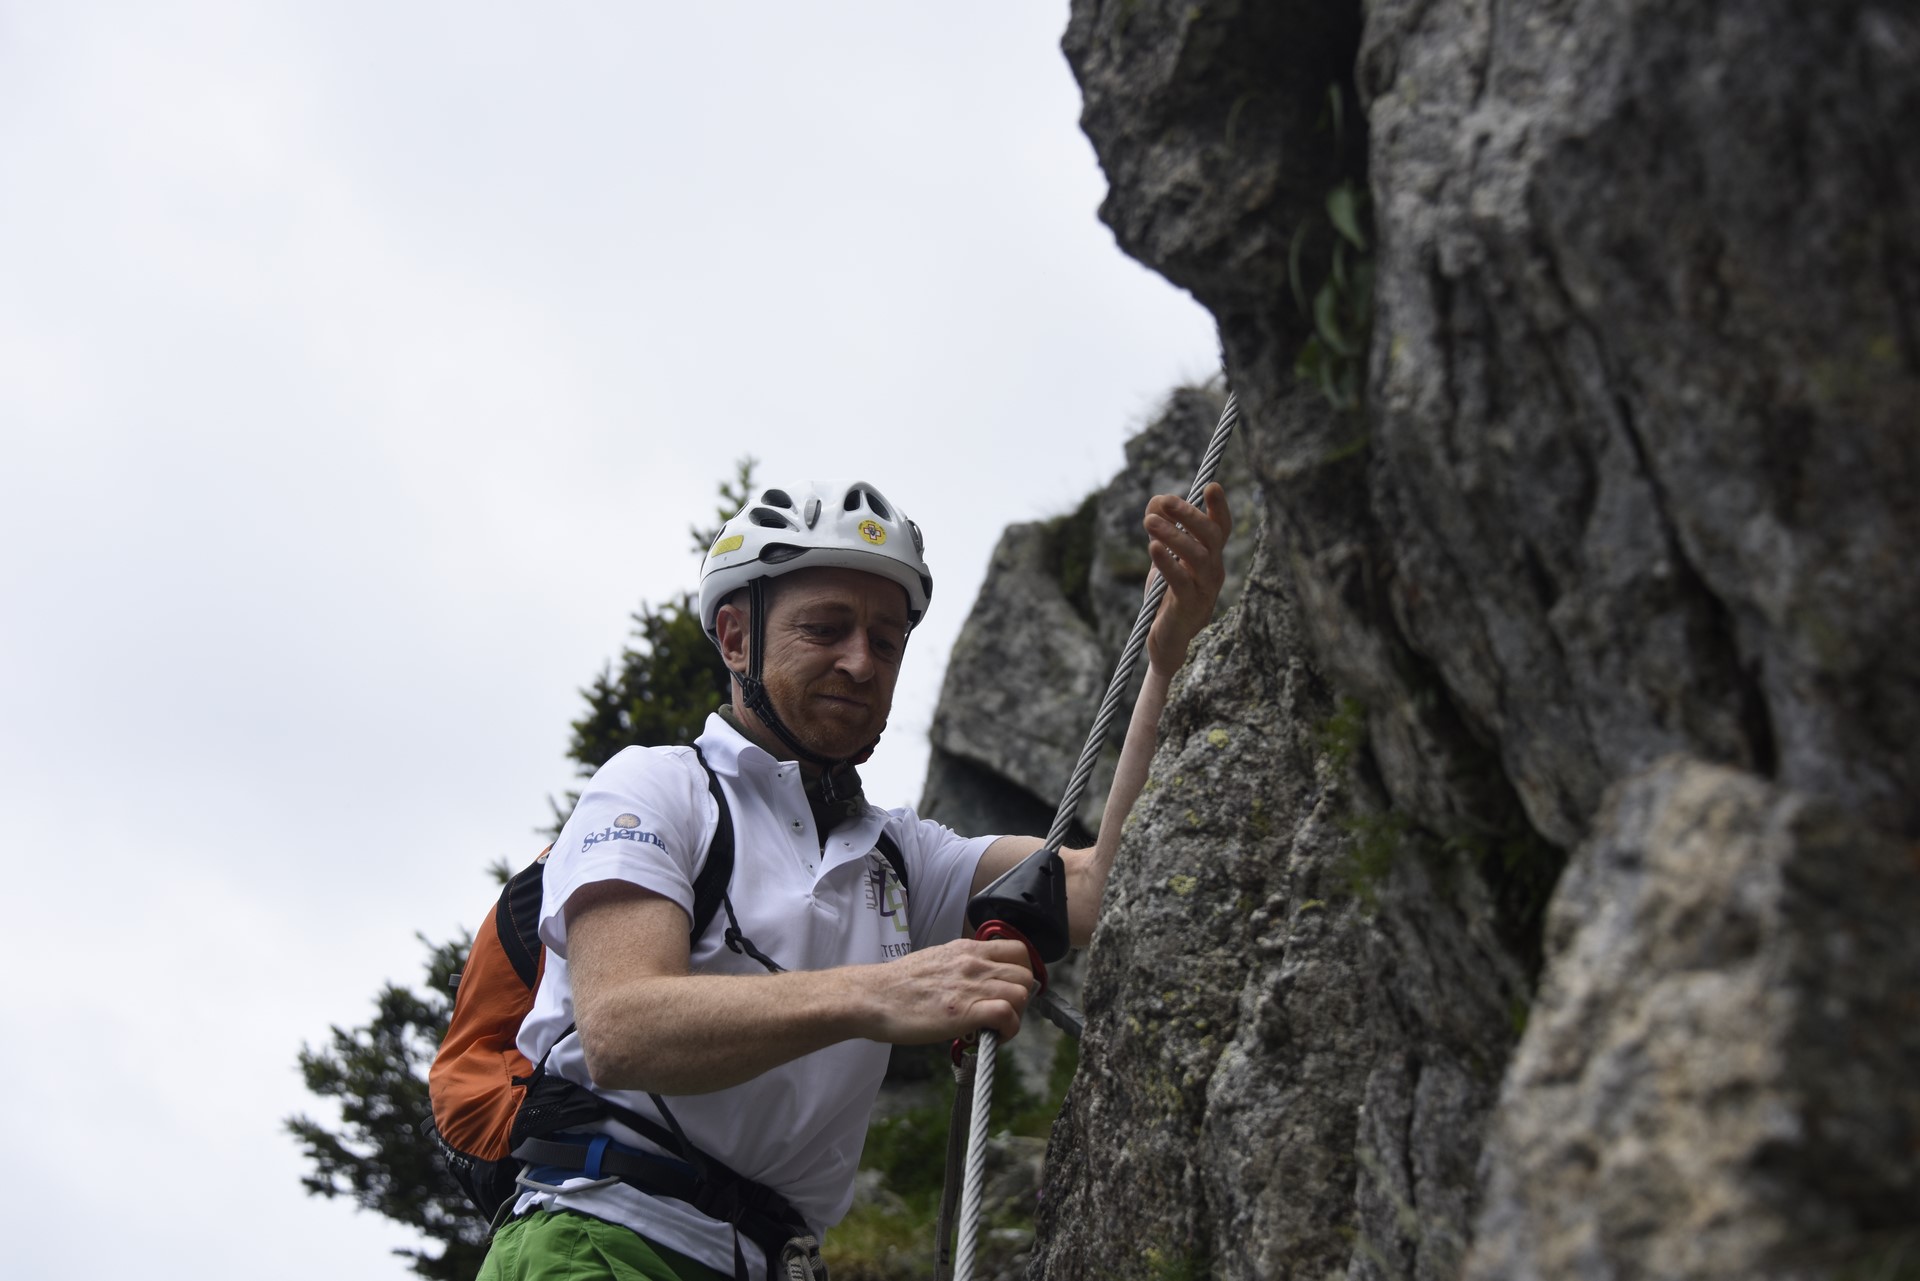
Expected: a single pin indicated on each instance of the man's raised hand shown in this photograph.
(1187, 546)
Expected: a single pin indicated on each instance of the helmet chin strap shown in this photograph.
(753, 693)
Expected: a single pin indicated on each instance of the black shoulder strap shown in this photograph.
(892, 854)
(710, 886)
(516, 919)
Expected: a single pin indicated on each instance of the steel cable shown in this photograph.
(976, 1159)
(1062, 823)
(1136, 642)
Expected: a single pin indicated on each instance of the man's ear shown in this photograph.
(730, 624)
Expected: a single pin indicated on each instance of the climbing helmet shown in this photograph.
(823, 523)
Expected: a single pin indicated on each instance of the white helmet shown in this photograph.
(848, 526)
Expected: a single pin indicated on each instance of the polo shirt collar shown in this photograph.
(733, 754)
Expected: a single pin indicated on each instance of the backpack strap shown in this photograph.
(710, 886)
(517, 916)
(516, 919)
(891, 852)
(740, 943)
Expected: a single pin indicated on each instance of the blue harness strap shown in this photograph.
(595, 1151)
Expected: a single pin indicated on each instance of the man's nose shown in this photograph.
(856, 658)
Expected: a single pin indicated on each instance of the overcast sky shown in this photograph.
(362, 367)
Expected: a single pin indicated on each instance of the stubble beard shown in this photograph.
(826, 735)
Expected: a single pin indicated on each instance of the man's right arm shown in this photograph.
(646, 1023)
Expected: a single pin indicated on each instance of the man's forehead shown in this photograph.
(831, 587)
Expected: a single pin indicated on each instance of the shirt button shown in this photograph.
(796, 824)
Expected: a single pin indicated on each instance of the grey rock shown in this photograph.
(1034, 657)
(1721, 1076)
(1261, 1043)
(1162, 459)
(1012, 1182)
(1631, 482)
(1032, 669)
(1033, 660)
(1649, 478)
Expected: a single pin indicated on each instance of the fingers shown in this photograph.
(1215, 497)
(1167, 563)
(998, 1009)
(1186, 545)
(1009, 952)
(1003, 988)
(1006, 988)
(957, 989)
(1002, 1018)
(1185, 542)
(1188, 533)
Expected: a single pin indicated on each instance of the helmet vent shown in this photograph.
(862, 495)
(780, 553)
(770, 519)
(777, 498)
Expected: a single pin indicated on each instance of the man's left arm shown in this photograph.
(1186, 545)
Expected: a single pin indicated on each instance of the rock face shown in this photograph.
(1263, 1037)
(1577, 348)
(1644, 369)
(1718, 1080)
(1033, 659)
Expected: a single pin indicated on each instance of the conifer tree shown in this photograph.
(378, 1156)
(668, 679)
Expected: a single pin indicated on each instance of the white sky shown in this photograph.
(361, 368)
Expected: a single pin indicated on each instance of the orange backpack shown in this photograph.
(479, 1077)
(479, 1080)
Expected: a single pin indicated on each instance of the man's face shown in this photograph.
(835, 638)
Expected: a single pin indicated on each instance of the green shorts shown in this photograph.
(565, 1246)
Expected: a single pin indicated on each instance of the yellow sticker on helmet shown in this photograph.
(873, 532)
(726, 545)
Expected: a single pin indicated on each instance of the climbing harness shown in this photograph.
(1029, 903)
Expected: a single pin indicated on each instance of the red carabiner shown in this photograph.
(1001, 930)
(987, 932)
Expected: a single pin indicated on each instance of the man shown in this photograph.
(810, 595)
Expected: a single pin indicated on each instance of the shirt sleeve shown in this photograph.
(644, 817)
(940, 867)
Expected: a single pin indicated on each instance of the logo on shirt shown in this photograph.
(885, 894)
(624, 828)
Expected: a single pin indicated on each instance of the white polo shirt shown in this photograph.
(646, 817)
